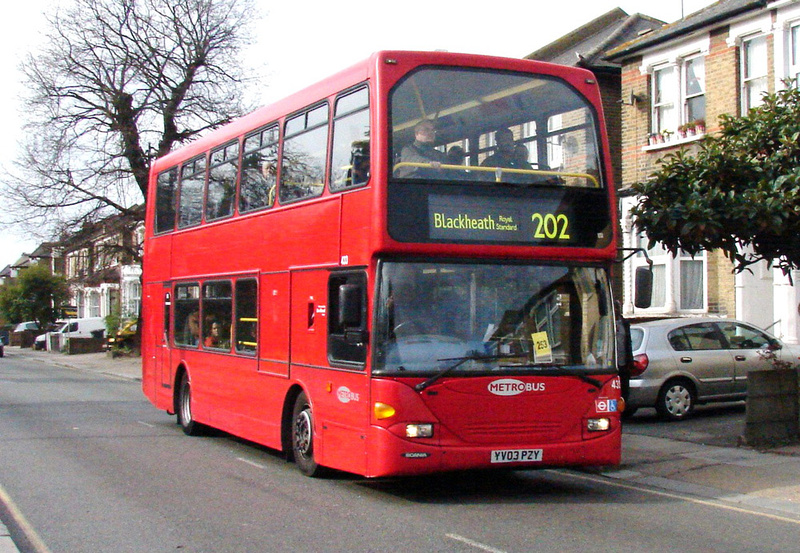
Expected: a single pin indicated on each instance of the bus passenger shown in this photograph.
(359, 163)
(422, 150)
(191, 332)
(522, 154)
(215, 338)
(455, 156)
(507, 154)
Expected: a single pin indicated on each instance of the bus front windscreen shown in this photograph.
(492, 317)
(480, 125)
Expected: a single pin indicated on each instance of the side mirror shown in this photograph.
(643, 282)
(350, 306)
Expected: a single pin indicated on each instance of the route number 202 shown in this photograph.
(551, 227)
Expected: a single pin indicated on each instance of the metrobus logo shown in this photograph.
(512, 387)
(344, 395)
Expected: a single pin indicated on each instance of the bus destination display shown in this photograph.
(473, 219)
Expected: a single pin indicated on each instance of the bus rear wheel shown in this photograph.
(184, 411)
(303, 436)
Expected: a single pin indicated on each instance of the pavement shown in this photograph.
(6, 543)
(684, 466)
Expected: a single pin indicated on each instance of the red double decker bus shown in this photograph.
(403, 269)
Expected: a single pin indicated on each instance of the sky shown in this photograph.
(301, 42)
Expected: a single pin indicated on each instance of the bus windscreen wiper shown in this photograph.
(576, 374)
(460, 361)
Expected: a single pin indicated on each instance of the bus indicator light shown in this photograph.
(383, 411)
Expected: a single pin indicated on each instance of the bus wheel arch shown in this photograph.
(286, 421)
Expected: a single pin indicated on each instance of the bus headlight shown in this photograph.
(419, 430)
(598, 425)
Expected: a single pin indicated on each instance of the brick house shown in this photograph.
(586, 47)
(679, 80)
(100, 263)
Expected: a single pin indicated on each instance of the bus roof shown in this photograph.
(352, 76)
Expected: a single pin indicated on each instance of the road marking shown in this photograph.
(148, 425)
(251, 463)
(22, 523)
(718, 503)
(475, 544)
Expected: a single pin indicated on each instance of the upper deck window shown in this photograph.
(222, 181)
(351, 155)
(451, 124)
(259, 169)
(305, 146)
(167, 186)
(190, 204)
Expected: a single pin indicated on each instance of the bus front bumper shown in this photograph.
(390, 455)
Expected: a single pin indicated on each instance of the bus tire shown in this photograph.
(183, 409)
(303, 436)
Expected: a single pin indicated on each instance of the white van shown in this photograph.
(84, 328)
(76, 328)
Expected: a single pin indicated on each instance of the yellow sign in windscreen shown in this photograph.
(541, 348)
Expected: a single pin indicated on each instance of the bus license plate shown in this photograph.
(516, 455)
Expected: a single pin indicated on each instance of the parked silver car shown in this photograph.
(679, 363)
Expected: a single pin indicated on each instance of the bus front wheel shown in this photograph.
(185, 419)
(303, 436)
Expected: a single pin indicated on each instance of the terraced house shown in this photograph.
(676, 81)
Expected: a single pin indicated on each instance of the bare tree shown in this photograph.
(119, 83)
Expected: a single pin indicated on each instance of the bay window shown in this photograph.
(678, 281)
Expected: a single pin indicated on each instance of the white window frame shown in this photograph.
(529, 134)
(663, 102)
(787, 32)
(667, 268)
(675, 55)
(685, 95)
(753, 85)
(94, 303)
(684, 259)
(677, 102)
(794, 52)
(555, 151)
